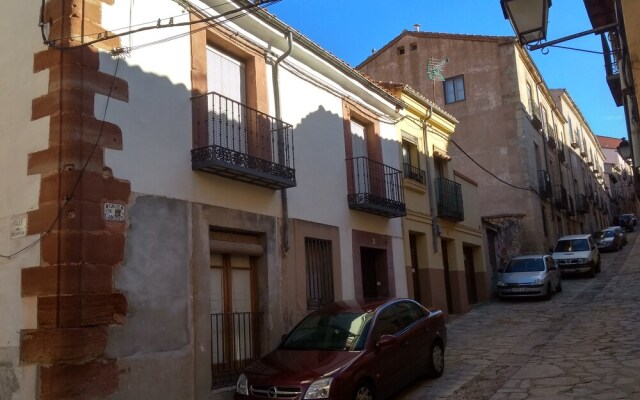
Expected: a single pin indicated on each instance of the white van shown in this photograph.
(577, 254)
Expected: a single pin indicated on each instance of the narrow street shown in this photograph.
(583, 344)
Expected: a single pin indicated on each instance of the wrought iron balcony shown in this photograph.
(544, 184)
(449, 199)
(551, 136)
(561, 152)
(536, 119)
(612, 69)
(375, 188)
(235, 344)
(561, 198)
(414, 173)
(243, 144)
(582, 205)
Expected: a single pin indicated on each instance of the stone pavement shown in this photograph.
(584, 344)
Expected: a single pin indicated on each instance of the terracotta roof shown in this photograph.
(608, 142)
(418, 95)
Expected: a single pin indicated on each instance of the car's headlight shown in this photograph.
(538, 282)
(501, 284)
(583, 260)
(242, 386)
(319, 389)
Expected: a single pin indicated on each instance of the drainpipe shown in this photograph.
(276, 95)
(432, 200)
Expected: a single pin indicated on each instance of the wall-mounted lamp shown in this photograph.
(528, 17)
(624, 149)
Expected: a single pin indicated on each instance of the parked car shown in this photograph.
(608, 240)
(621, 233)
(577, 254)
(528, 276)
(351, 350)
(626, 221)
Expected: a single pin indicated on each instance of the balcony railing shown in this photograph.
(561, 152)
(242, 143)
(414, 173)
(449, 199)
(561, 199)
(375, 188)
(544, 184)
(235, 343)
(536, 119)
(611, 68)
(551, 136)
(582, 205)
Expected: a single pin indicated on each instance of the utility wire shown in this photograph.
(82, 170)
(52, 42)
(530, 189)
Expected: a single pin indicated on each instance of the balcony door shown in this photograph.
(360, 157)
(226, 76)
(233, 324)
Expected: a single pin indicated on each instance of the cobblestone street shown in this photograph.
(583, 344)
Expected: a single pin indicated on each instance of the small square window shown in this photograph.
(454, 89)
(400, 50)
(414, 46)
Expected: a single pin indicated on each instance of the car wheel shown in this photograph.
(559, 287)
(435, 366)
(364, 391)
(547, 295)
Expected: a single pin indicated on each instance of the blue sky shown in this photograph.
(350, 29)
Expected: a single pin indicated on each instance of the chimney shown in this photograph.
(416, 27)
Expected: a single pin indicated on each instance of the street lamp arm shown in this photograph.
(595, 31)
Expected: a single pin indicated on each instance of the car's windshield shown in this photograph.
(564, 246)
(525, 265)
(609, 233)
(342, 331)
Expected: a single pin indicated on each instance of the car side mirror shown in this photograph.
(386, 341)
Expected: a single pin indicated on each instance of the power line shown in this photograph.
(159, 25)
(530, 189)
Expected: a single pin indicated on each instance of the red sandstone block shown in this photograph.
(55, 9)
(67, 279)
(71, 345)
(82, 247)
(87, 56)
(82, 310)
(74, 127)
(70, 156)
(93, 187)
(76, 76)
(93, 380)
(75, 216)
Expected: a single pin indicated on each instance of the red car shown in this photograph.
(361, 350)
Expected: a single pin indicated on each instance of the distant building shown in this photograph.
(443, 240)
(619, 178)
(512, 138)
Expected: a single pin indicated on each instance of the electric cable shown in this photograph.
(530, 189)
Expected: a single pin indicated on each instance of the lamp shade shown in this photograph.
(624, 149)
(528, 17)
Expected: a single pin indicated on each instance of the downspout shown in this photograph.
(432, 200)
(276, 95)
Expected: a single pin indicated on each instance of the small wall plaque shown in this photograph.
(18, 226)
(114, 212)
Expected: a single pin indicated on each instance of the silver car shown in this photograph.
(529, 276)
